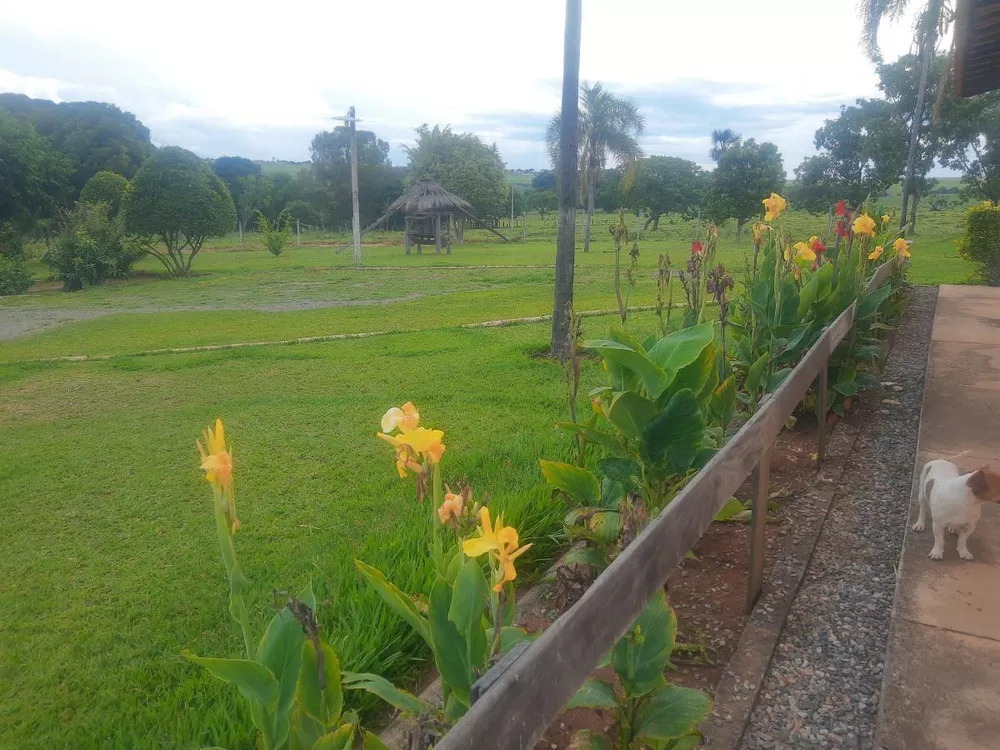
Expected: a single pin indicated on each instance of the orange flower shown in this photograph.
(902, 247)
(774, 205)
(864, 225)
(501, 545)
(452, 507)
(406, 419)
(217, 463)
(876, 253)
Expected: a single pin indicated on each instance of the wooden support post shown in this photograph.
(450, 223)
(758, 524)
(355, 213)
(821, 386)
(298, 233)
(437, 234)
(406, 234)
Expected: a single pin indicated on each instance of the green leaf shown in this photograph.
(730, 509)
(592, 556)
(622, 470)
(322, 705)
(723, 403)
(674, 711)
(470, 597)
(398, 602)
(869, 303)
(673, 437)
(450, 648)
(606, 526)
(701, 376)
(581, 485)
(846, 387)
(590, 435)
(869, 351)
(280, 651)
(640, 657)
(681, 348)
(778, 378)
(371, 742)
(868, 381)
(808, 293)
(594, 694)
(630, 413)
(510, 636)
(587, 739)
(304, 731)
(755, 376)
(377, 685)
(254, 680)
(342, 739)
(307, 597)
(688, 742)
(653, 378)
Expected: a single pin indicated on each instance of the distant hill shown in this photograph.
(291, 168)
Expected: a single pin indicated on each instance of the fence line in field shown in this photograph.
(526, 693)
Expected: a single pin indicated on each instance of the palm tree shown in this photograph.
(609, 129)
(930, 25)
(565, 162)
(722, 141)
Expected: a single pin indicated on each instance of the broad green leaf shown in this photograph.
(680, 348)
(869, 351)
(703, 457)
(789, 304)
(868, 381)
(808, 293)
(846, 387)
(581, 485)
(303, 730)
(450, 648)
(723, 403)
(378, 685)
(587, 739)
(640, 657)
(280, 651)
(623, 470)
(342, 739)
(307, 597)
(688, 742)
(612, 493)
(606, 526)
(469, 600)
(730, 509)
(398, 602)
(653, 378)
(590, 435)
(594, 694)
(630, 413)
(777, 378)
(869, 303)
(254, 680)
(755, 376)
(592, 556)
(673, 712)
(371, 742)
(510, 636)
(673, 437)
(322, 705)
(699, 376)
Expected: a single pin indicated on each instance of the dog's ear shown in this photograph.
(985, 484)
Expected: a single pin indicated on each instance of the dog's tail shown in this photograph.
(925, 506)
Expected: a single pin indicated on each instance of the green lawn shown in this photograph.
(110, 566)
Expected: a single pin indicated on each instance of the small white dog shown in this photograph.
(954, 501)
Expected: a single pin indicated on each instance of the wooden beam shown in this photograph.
(758, 527)
(514, 713)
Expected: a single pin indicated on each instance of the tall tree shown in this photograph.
(746, 174)
(722, 140)
(94, 136)
(463, 164)
(33, 177)
(610, 127)
(250, 194)
(378, 184)
(569, 116)
(932, 20)
(666, 184)
(232, 168)
(970, 141)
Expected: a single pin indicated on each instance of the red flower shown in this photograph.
(841, 208)
(815, 266)
(817, 245)
(697, 248)
(843, 228)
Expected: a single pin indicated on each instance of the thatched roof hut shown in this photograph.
(425, 197)
(977, 47)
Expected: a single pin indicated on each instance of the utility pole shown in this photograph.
(512, 205)
(352, 125)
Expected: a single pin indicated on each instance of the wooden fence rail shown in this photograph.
(528, 692)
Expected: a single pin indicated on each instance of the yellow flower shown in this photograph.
(413, 447)
(217, 463)
(758, 231)
(406, 419)
(774, 206)
(886, 219)
(864, 225)
(788, 253)
(500, 543)
(452, 507)
(876, 253)
(902, 247)
(987, 204)
(804, 252)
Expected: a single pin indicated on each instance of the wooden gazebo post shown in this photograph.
(437, 234)
(406, 234)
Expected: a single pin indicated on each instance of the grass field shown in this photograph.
(110, 566)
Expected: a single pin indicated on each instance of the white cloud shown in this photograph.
(226, 74)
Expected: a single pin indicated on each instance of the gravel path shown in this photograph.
(822, 687)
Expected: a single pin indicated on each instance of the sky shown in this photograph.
(256, 79)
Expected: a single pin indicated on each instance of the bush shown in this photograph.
(91, 247)
(105, 187)
(14, 277)
(275, 233)
(980, 245)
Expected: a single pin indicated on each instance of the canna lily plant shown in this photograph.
(291, 678)
(467, 618)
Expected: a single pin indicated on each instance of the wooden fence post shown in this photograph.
(758, 524)
(821, 411)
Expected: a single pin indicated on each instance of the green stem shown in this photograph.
(496, 603)
(237, 607)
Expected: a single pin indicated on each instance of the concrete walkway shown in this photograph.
(942, 681)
